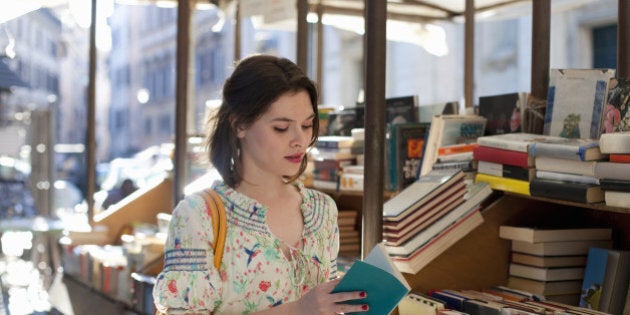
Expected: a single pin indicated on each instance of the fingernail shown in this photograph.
(364, 307)
(362, 294)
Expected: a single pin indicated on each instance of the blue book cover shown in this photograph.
(594, 273)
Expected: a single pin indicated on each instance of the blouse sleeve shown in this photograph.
(333, 236)
(188, 282)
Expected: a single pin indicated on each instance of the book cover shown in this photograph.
(616, 114)
(594, 277)
(619, 158)
(544, 163)
(615, 184)
(449, 130)
(379, 278)
(546, 287)
(615, 142)
(502, 156)
(578, 192)
(548, 261)
(569, 148)
(419, 192)
(504, 183)
(506, 170)
(512, 141)
(402, 109)
(575, 102)
(537, 234)
(611, 170)
(404, 148)
(561, 248)
(546, 274)
(616, 280)
(503, 111)
(427, 111)
(566, 177)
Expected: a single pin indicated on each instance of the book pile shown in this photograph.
(450, 130)
(349, 233)
(614, 175)
(550, 261)
(492, 300)
(565, 169)
(505, 162)
(430, 215)
(329, 156)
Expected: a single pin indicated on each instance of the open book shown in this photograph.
(379, 278)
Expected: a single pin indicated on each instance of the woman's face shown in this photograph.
(276, 143)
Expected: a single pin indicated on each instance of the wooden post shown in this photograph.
(469, 53)
(623, 39)
(537, 100)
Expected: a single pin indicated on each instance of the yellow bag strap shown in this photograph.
(216, 210)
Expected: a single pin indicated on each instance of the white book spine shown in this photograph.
(615, 143)
(498, 143)
(574, 178)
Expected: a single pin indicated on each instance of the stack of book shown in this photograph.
(429, 216)
(550, 261)
(349, 233)
(615, 173)
(457, 156)
(329, 156)
(565, 169)
(505, 162)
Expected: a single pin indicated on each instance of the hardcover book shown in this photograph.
(619, 199)
(502, 156)
(547, 261)
(561, 248)
(506, 170)
(546, 287)
(616, 279)
(503, 111)
(616, 114)
(449, 130)
(403, 109)
(566, 177)
(404, 149)
(615, 184)
(512, 141)
(593, 280)
(544, 163)
(578, 192)
(546, 274)
(533, 234)
(569, 148)
(575, 102)
(615, 142)
(379, 278)
(612, 170)
(504, 183)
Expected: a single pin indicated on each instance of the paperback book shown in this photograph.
(538, 234)
(615, 142)
(404, 149)
(503, 111)
(569, 148)
(616, 114)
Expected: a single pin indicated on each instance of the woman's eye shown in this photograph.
(307, 126)
(278, 129)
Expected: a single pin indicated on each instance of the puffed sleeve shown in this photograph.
(188, 281)
(333, 236)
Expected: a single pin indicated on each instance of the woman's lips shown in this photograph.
(296, 158)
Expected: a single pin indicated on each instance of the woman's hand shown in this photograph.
(319, 300)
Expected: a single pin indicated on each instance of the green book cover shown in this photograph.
(379, 278)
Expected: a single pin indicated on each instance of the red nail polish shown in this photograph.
(362, 294)
(364, 307)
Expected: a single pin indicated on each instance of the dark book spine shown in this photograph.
(559, 190)
(516, 172)
(615, 184)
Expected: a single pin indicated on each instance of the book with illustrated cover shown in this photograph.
(379, 278)
(616, 113)
(575, 102)
(404, 149)
(448, 130)
(503, 111)
(537, 234)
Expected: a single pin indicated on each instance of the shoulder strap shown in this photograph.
(216, 210)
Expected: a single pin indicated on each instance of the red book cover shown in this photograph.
(619, 158)
(501, 156)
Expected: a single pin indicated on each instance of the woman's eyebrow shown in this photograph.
(287, 119)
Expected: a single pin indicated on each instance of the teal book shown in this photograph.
(379, 278)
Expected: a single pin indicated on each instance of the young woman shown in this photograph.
(282, 239)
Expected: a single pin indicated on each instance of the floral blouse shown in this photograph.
(255, 274)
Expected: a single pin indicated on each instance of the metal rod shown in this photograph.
(469, 53)
(90, 137)
(375, 70)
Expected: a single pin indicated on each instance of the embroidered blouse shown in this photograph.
(254, 274)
